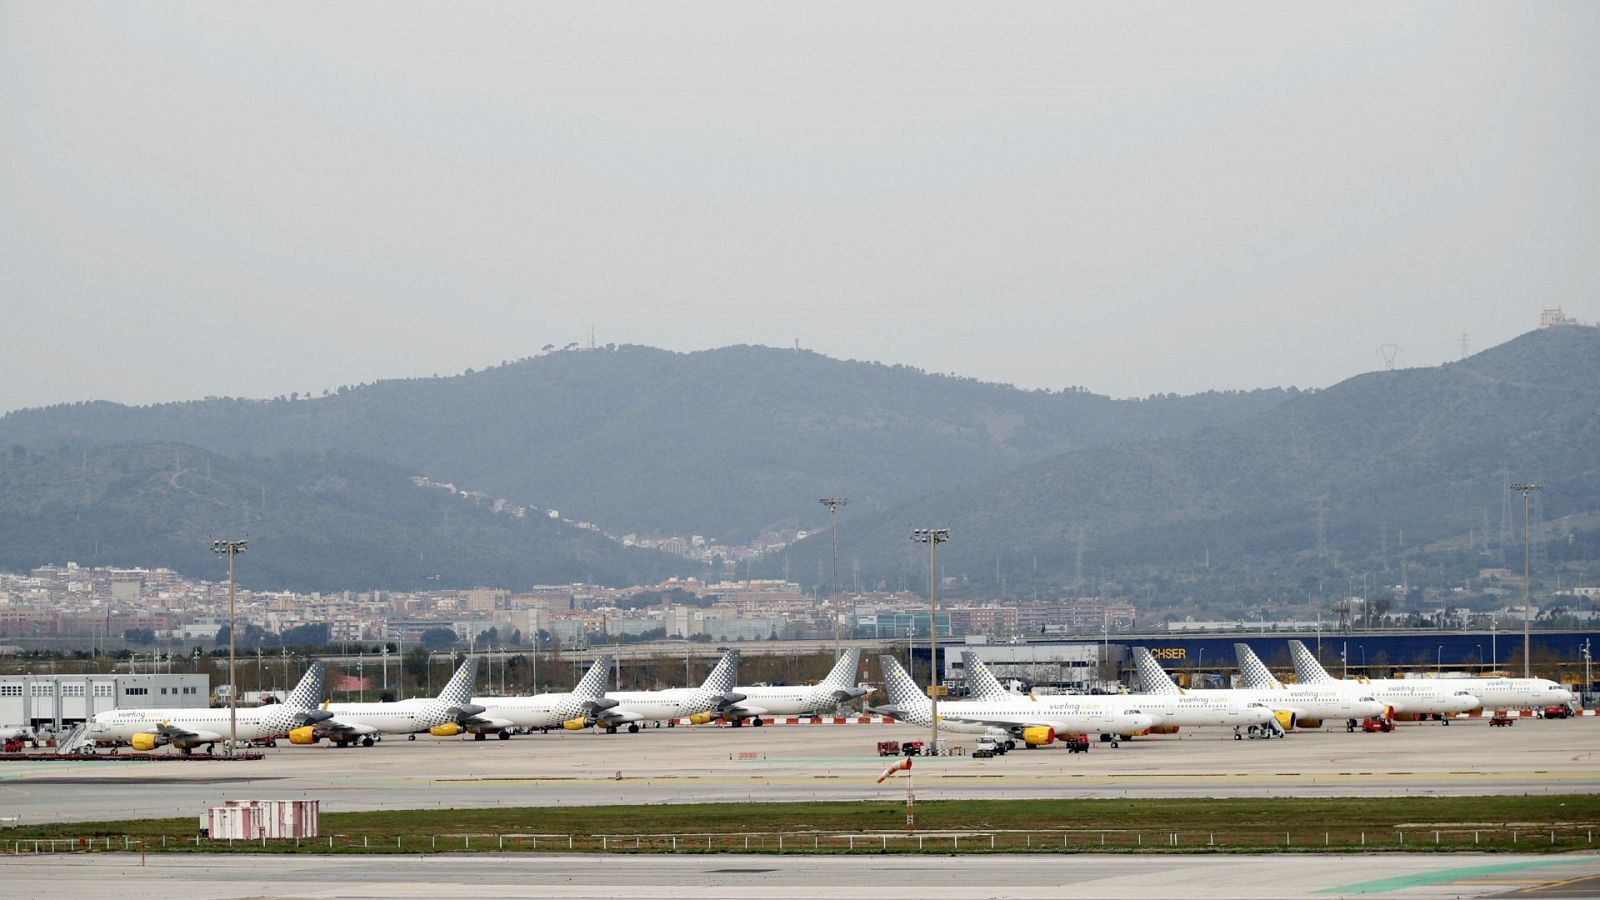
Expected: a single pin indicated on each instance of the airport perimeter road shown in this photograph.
(816, 762)
(712, 877)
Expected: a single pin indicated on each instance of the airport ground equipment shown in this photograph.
(1502, 720)
(888, 748)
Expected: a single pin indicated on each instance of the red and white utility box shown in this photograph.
(246, 820)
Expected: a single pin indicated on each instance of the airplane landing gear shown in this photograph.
(411, 737)
(756, 721)
(633, 727)
(505, 735)
(367, 741)
(479, 736)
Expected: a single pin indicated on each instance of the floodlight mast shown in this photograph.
(1525, 489)
(833, 504)
(231, 549)
(933, 537)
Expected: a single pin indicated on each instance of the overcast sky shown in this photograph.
(252, 200)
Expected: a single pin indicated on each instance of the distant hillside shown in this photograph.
(1403, 457)
(316, 521)
(723, 442)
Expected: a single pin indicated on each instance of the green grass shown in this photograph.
(1500, 823)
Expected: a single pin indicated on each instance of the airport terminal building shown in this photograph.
(64, 700)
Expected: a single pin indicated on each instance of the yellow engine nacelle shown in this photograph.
(1038, 736)
(1309, 723)
(1286, 719)
(700, 718)
(575, 724)
(303, 735)
(448, 729)
(144, 741)
(1163, 729)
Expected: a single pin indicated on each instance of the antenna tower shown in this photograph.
(1465, 347)
(1389, 352)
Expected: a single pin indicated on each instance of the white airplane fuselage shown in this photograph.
(536, 711)
(402, 717)
(660, 706)
(209, 725)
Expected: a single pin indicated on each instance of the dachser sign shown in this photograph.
(1170, 653)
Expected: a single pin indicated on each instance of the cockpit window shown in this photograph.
(1369, 699)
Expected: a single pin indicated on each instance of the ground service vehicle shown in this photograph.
(1077, 743)
(1502, 721)
(1373, 725)
(888, 748)
(911, 748)
(1558, 712)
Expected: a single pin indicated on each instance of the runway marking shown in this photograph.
(1401, 882)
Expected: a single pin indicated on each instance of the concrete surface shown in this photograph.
(816, 762)
(712, 877)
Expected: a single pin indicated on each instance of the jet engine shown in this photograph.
(1038, 735)
(448, 729)
(1286, 718)
(1309, 723)
(700, 718)
(1163, 729)
(303, 735)
(577, 724)
(144, 741)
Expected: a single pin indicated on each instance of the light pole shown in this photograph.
(833, 504)
(1588, 676)
(1438, 661)
(231, 549)
(933, 537)
(1526, 488)
(1494, 646)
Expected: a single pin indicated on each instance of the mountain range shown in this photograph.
(733, 442)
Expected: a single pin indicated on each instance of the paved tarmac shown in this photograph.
(817, 762)
(714, 877)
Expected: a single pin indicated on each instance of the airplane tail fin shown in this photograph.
(981, 683)
(843, 673)
(1255, 672)
(593, 682)
(459, 688)
(308, 693)
(1306, 668)
(901, 688)
(722, 678)
(1152, 678)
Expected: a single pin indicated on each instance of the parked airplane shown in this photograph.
(699, 705)
(1294, 706)
(1173, 710)
(189, 728)
(366, 722)
(838, 687)
(1415, 698)
(572, 710)
(1037, 724)
(1491, 693)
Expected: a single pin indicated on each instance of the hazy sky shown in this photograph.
(258, 199)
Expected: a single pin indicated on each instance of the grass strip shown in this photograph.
(1524, 823)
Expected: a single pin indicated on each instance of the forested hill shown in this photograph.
(1402, 457)
(721, 442)
(315, 521)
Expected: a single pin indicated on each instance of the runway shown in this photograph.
(717, 877)
(838, 762)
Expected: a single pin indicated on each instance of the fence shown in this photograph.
(1560, 837)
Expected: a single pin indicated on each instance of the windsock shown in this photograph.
(901, 766)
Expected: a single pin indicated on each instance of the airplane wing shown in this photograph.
(336, 729)
(185, 737)
(493, 723)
